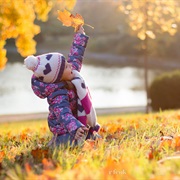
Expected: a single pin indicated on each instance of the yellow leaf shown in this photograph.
(134, 27)
(151, 35)
(164, 27)
(172, 32)
(141, 35)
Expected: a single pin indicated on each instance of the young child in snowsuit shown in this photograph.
(71, 114)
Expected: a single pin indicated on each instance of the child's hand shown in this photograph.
(80, 29)
(80, 132)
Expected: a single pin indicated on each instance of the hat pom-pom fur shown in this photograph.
(31, 62)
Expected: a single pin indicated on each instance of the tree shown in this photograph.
(17, 20)
(148, 18)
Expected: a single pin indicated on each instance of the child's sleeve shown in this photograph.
(64, 121)
(77, 50)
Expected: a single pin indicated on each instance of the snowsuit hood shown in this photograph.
(44, 90)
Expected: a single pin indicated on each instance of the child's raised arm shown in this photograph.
(77, 50)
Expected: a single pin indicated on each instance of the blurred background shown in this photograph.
(114, 61)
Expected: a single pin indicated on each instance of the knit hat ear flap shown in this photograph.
(31, 62)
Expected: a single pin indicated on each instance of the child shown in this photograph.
(71, 114)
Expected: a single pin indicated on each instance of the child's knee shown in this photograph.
(65, 139)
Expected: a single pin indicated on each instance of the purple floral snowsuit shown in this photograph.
(62, 118)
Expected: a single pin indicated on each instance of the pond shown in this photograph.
(109, 87)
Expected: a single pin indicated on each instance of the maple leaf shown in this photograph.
(39, 154)
(88, 145)
(65, 18)
(69, 19)
(176, 143)
(77, 21)
(2, 154)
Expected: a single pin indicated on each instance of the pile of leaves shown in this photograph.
(135, 146)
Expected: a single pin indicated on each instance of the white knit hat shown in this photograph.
(47, 67)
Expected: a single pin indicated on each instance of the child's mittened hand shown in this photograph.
(80, 29)
(80, 132)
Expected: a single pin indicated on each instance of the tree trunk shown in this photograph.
(146, 73)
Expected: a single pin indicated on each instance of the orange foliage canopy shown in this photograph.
(17, 21)
(151, 17)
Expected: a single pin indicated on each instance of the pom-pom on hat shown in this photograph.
(47, 67)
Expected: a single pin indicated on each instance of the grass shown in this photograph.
(134, 146)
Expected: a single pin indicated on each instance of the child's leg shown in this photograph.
(65, 139)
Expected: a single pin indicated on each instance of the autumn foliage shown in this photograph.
(17, 21)
(132, 147)
(150, 17)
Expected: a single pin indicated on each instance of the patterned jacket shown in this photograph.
(62, 102)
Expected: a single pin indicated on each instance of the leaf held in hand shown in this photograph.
(69, 19)
(65, 18)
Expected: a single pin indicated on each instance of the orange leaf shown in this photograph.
(51, 173)
(69, 19)
(77, 21)
(39, 154)
(150, 154)
(166, 141)
(65, 17)
(115, 170)
(27, 167)
(2, 154)
(177, 143)
(47, 164)
(23, 136)
(88, 145)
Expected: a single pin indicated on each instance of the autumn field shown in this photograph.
(133, 146)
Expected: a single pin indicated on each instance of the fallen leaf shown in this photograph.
(88, 145)
(27, 167)
(2, 154)
(153, 153)
(177, 143)
(165, 141)
(114, 170)
(48, 164)
(39, 154)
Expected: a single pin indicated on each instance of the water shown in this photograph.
(109, 87)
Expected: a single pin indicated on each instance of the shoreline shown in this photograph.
(114, 60)
(6, 118)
